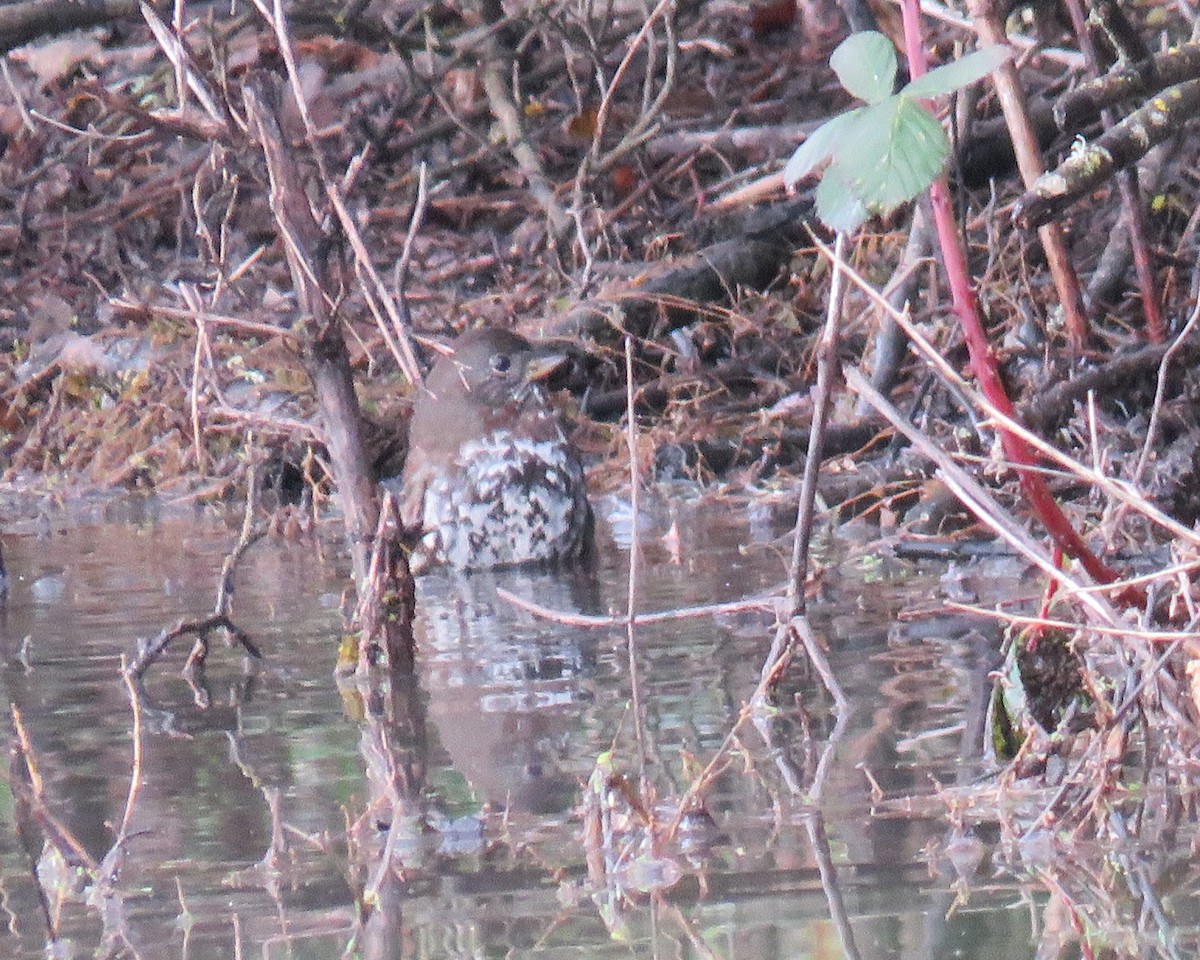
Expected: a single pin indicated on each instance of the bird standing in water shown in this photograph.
(490, 479)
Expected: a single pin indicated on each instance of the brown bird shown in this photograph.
(491, 479)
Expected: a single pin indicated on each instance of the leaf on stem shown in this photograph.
(898, 151)
(819, 146)
(838, 205)
(959, 74)
(887, 152)
(865, 63)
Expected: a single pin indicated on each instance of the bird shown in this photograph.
(490, 478)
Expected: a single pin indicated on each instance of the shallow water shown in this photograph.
(470, 785)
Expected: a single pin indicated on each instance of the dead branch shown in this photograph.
(1092, 164)
(1079, 107)
(1054, 405)
(328, 361)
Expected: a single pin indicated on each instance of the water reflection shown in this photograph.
(508, 695)
(284, 815)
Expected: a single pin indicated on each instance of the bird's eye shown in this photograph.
(501, 362)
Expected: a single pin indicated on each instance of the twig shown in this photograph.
(280, 426)
(939, 11)
(635, 550)
(1029, 161)
(1079, 107)
(186, 75)
(57, 834)
(395, 331)
(570, 619)
(801, 627)
(1049, 623)
(220, 618)
(414, 229)
(509, 118)
(1131, 201)
(827, 365)
(247, 536)
(387, 602)
(135, 775)
(327, 358)
(717, 762)
(772, 138)
(200, 629)
(818, 838)
(1160, 391)
(761, 188)
(203, 349)
(1053, 405)
(983, 362)
(1120, 146)
(901, 289)
(631, 440)
(1110, 487)
(252, 327)
(643, 128)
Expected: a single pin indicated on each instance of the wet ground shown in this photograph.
(271, 800)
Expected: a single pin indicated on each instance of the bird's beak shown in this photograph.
(544, 366)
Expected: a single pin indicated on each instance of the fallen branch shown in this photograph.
(1123, 145)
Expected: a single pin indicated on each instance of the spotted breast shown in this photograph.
(491, 479)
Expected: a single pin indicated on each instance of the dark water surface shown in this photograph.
(457, 805)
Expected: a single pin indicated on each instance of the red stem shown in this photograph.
(983, 362)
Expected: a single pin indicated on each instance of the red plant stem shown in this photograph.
(1036, 632)
(983, 362)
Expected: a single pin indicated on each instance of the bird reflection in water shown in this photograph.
(508, 694)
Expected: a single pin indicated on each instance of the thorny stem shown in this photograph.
(983, 362)
(1119, 492)
(976, 499)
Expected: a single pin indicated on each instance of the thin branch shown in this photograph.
(827, 366)
(635, 552)
(1029, 161)
(395, 330)
(570, 619)
(1160, 391)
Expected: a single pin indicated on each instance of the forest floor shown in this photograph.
(145, 297)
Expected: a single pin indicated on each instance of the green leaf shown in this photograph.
(838, 206)
(866, 65)
(890, 151)
(897, 150)
(960, 73)
(818, 147)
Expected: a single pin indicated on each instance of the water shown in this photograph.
(271, 799)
